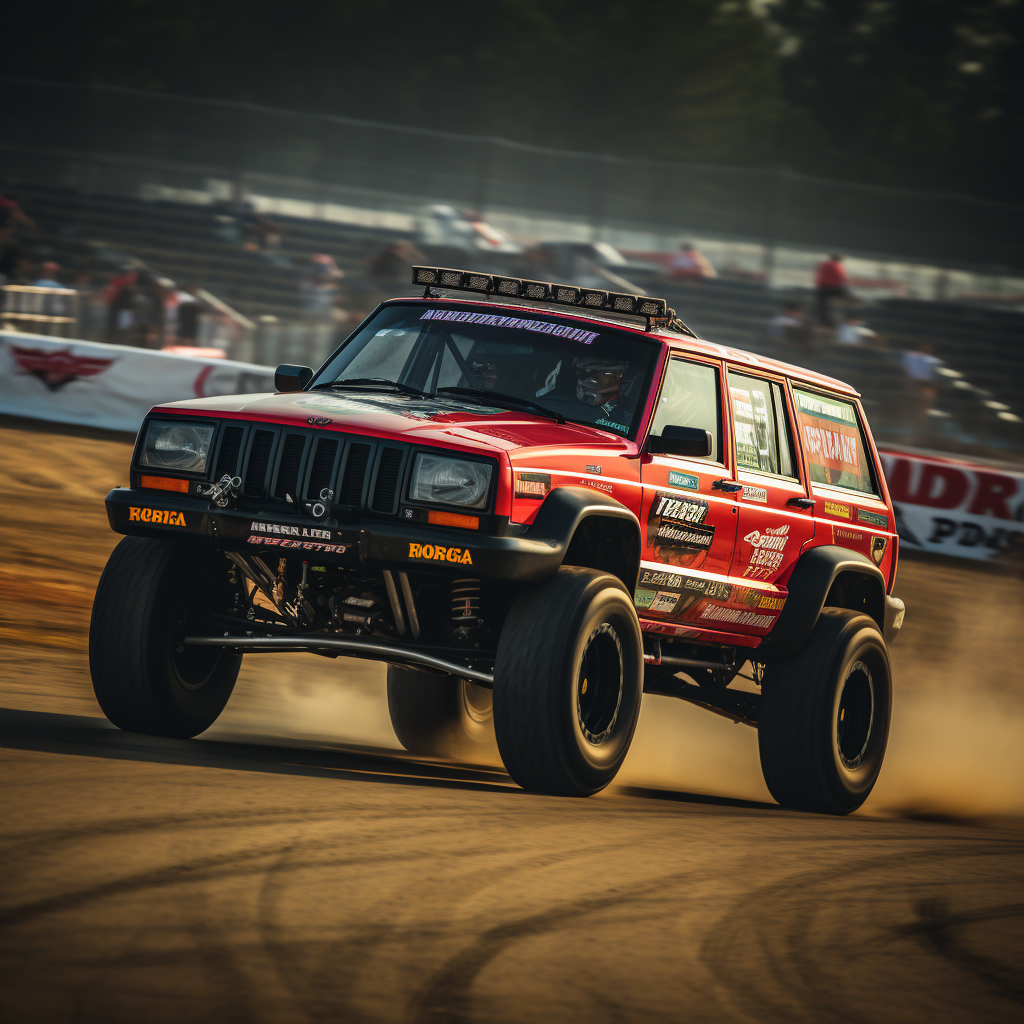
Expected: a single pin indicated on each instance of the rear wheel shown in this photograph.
(437, 716)
(824, 720)
(151, 594)
(567, 683)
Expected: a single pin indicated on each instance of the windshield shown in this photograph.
(587, 373)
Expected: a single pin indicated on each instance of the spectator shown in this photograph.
(852, 331)
(189, 308)
(393, 264)
(831, 282)
(690, 265)
(90, 307)
(48, 278)
(791, 325)
(318, 291)
(919, 365)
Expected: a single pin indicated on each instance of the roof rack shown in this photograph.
(655, 312)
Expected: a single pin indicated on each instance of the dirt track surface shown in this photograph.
(294, 865)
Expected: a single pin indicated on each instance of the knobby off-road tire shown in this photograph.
(567, 683)
(439, 716)
(825, 716)
(150, 593)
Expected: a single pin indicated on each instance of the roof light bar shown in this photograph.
(651, 309)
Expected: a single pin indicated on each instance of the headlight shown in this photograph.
(450, 481)
(182, 447)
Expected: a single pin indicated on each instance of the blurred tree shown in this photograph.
(914, 92)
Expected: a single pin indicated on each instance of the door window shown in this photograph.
(759, 420)
(690, 398)
(833, 441)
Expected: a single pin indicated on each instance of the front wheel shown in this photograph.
(567, 683)
(824, 720)
(151, 593)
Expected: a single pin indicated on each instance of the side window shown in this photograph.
(759, 421)
(690, 398)
(833, 441)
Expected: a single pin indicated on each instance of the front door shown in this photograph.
(775, 513)
(689, 525)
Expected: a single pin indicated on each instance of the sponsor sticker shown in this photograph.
(661, 579)
(665, 602)
(156, 515)
(768, 550)
(676, 530)
(688, 481)
(594, 469)
(755, 494)
(301, 545)
(558, 330)
(439, 553)
(532, 485)
(840, 535)
(833, 508)
(643, 598)
(769, 601)
(601, 485)
(738, 616)
(874, 518)
(286, 530)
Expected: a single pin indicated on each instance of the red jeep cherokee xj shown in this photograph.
(534, 503)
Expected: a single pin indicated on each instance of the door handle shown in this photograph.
(726, 485)
(801, 502)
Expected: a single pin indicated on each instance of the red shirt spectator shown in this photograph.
(832, 274)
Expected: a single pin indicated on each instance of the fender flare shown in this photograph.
(565, 508)
(809, 584)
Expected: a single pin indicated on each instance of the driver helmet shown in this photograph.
(599, 380)
(486, 370)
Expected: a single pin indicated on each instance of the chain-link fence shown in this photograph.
(98, 139)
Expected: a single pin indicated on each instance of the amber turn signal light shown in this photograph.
(453, 519)
(164, 483)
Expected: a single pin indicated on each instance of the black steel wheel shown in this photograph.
(151, 593)
(567, 683)
(825, 714)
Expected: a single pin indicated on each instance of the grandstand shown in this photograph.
(187, 242)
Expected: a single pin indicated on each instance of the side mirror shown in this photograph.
(289, 377)
(688, 441)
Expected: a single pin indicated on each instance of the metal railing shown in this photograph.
(38, 310)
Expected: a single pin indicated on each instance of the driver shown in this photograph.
(600, 384)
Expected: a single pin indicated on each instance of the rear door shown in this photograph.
(775, 516)
(689, 524)
(848, 501)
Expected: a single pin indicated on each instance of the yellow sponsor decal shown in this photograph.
(438, 553)
(156, 515)
(833, 508)
(775, 603)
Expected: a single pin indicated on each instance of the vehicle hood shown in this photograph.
(446, 422)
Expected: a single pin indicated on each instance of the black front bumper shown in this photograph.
(531, 555)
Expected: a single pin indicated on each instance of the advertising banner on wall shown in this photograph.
(109, 386)
(957, 508)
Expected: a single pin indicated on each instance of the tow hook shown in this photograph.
(223, 491)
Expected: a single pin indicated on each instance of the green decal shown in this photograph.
(688, 480)
(643, 598)
(873, 518)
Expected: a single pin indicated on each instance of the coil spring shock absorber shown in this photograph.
(465, 605)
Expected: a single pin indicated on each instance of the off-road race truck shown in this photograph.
(534, 502)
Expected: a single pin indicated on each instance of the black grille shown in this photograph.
(227, 459)
(291, 462)
(323, 467)
(351, 491)
(259, 462)
(387, 480)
